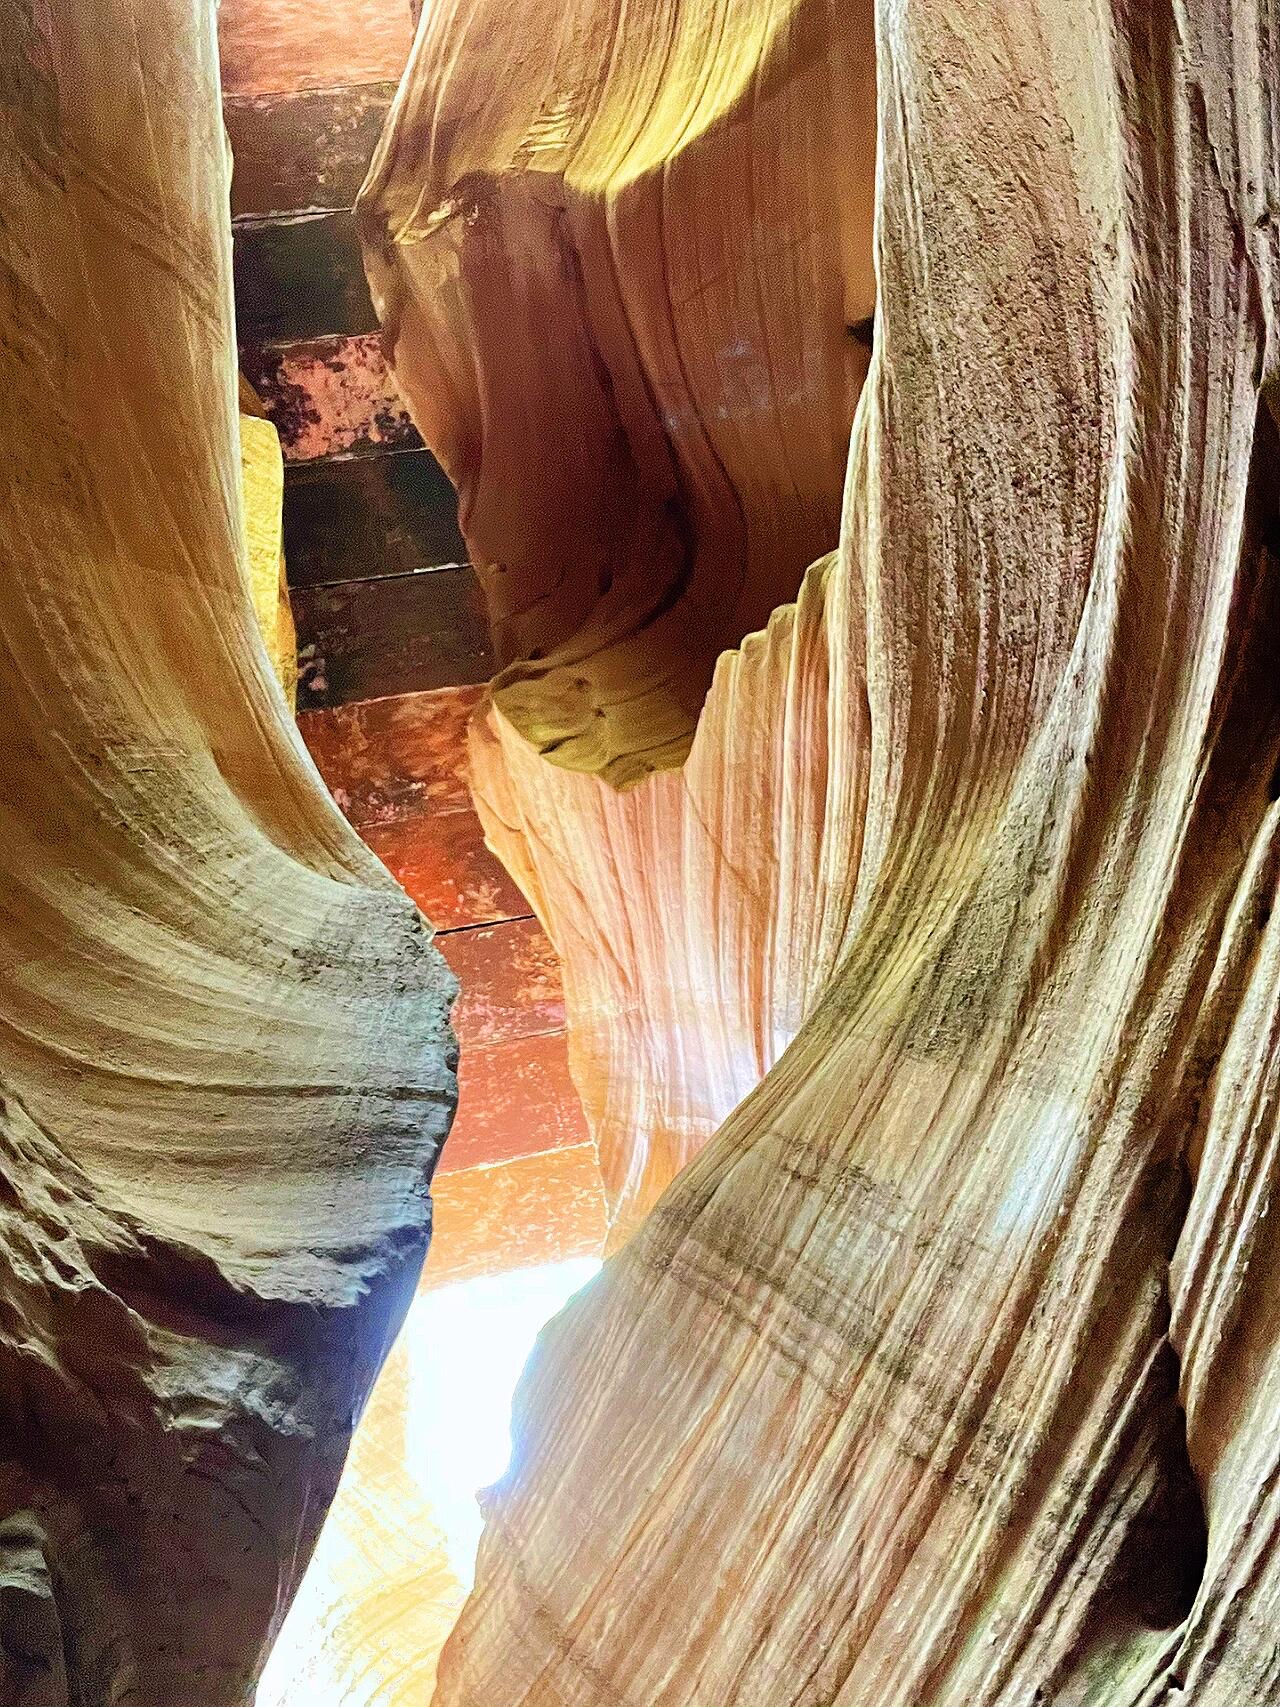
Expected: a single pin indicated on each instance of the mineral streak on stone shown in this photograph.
(946, 1374)
(225, 1063)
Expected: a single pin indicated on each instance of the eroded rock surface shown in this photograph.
(622, 257)
(624, 264)
(225, 1065)
(944, 1373)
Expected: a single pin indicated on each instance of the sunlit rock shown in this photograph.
(262, 483)
(225, 1066)
(623, 262)
(944, 1373)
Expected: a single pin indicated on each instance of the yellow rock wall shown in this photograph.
(225, 1063)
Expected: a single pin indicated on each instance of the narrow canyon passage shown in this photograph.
(391, 643)
(518, 1223)
(639, 645)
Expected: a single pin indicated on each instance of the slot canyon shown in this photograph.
(639, 999)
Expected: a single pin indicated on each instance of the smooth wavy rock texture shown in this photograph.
(946, 1372)
(225, 1062)
(698, 915)
(622, 258)
(652, 229)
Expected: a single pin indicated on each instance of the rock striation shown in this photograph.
(647, 428)
(666, 251)
(943, 1375)
(225, 1063)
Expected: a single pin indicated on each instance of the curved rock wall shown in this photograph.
(224, 1055)
(626, 284)
(699, 915)
(622, 259)
(943, 1374)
